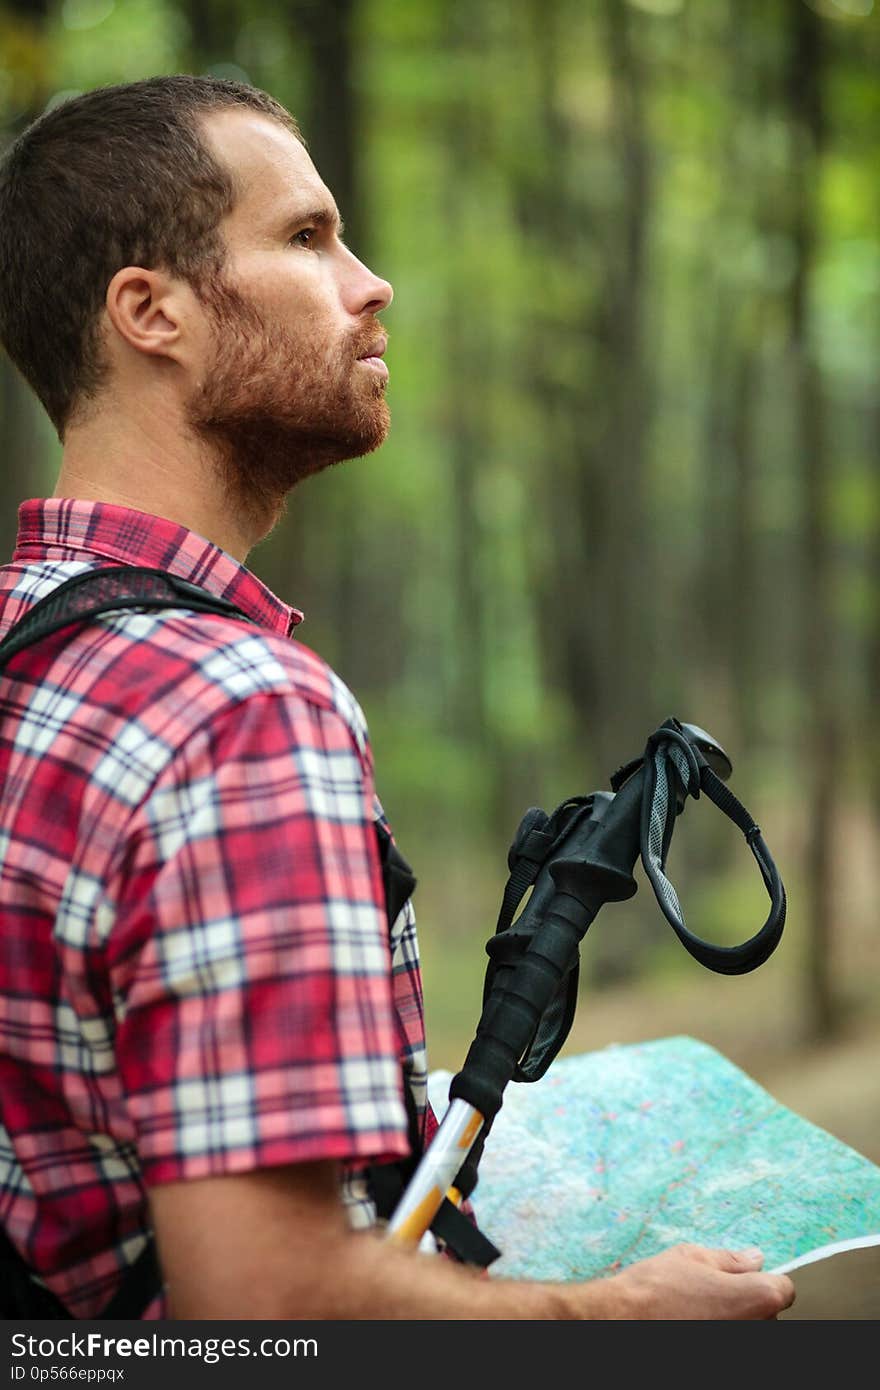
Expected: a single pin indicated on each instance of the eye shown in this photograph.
(305, 237)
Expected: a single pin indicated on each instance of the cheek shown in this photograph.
(308, 319)
(297, 297)
(302, 286)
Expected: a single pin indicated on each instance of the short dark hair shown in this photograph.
(114, 177)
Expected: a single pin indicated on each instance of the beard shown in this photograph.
(276, 407)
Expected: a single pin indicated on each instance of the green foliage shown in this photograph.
(93, 43)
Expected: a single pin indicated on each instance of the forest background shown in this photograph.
(633, 467)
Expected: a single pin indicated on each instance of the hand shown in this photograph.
(689, 1281)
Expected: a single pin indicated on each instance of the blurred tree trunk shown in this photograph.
(213, 29)
(728, 600)
(805, 94)
(712, 597)
(587, 376)
(746, 623)
(19, 409)
(570, 489)
(731, 621)
(595, 585)
(627, 592)
(467, 344)
(871, 721)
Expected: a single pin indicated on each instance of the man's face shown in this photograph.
(289, 384)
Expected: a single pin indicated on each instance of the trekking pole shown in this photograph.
(578, 859)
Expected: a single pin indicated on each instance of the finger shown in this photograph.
(764, 1296)
(785, 1288)
(751, 1259)
(776, 1292)
(732, 1261)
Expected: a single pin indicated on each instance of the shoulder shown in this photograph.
(166, 674)
(213, 663)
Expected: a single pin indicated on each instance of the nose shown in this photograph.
(364, 292)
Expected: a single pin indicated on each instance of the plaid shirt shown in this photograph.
(195, 972)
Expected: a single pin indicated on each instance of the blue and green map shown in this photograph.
(615, 1155)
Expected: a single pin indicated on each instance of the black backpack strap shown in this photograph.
(398, 879)
(87, 596)
(141, 1283)
(21, 1297)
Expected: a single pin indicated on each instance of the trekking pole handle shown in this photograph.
(583, 885)
(435, 1174)
(493, 1060)
(597, 873)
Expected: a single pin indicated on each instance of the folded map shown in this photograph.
(615, 1155)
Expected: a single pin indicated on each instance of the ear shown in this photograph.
(148, 310)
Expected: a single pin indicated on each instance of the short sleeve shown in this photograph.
(248, 952)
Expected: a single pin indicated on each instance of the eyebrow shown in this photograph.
(319, 217)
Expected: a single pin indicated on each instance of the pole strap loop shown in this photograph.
(675, 769)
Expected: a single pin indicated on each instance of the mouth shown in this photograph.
(372, 358)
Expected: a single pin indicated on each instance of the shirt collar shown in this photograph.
(65, 528)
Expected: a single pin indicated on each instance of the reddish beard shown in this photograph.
(275, 408)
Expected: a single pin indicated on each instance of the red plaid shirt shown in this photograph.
(195, 969)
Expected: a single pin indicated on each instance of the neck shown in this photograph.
(158, 470)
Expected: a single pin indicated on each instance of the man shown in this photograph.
(203, 1021)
